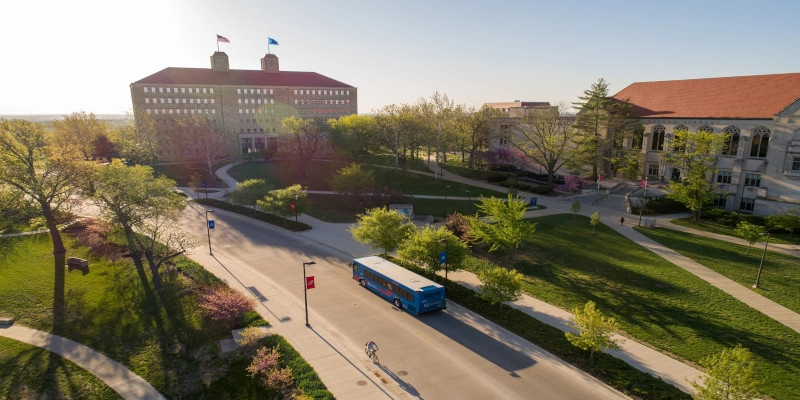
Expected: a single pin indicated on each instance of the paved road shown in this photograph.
(453, 354)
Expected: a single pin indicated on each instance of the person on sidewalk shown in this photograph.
(622, 221)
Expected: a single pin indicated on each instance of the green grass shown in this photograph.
(713, 227)
(161, 336)
(654, 301)
(30, 372)
(780, 278)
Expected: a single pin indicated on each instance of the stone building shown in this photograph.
(759, 168)
(245, 106)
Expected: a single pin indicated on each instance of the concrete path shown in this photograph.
(611, 209)
(115, 375)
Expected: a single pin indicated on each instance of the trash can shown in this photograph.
(533, 202)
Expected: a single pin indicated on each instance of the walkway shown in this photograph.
(115, 375)
(639, 356)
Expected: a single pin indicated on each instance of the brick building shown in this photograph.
(245, 106)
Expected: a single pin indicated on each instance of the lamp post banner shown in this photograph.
(310, 282)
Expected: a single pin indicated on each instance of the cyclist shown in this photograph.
(371, 348)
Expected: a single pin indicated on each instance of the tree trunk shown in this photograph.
(59, 264)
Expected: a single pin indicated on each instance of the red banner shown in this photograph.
(292, 205)
(310, 282)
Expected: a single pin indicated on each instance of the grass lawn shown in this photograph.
(713, 227)
(780, 278)
(160, 336)
(27, 372)
(654, 301)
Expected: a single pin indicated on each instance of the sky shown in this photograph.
(62, 57)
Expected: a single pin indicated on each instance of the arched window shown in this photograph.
(705, 128)
(657, 138)
(732, 146)
(758, 148)
(679, 143)
(638, 137)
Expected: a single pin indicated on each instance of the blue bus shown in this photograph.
(407, 290)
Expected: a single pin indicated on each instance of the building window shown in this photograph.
(732, 146)
(270, 91)
(721, 201)
(752, 180)
(145, 89)
(658, 138)
(204, 90)
(146, 100)
(161, 90)
(724, 177)
(211, 90)
(760, 142)
(795, 164)
(747, 205)
(652, 169)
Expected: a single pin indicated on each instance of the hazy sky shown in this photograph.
(66, 56)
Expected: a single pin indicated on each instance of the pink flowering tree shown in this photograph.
(222, 303)
(573, 184)
(266, 368)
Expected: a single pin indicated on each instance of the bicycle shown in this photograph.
(372, 351)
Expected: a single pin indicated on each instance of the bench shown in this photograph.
(77, 263)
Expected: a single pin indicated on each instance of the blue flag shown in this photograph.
(272, 41)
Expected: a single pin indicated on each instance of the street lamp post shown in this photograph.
(445, 258)
(295, 208)
(469, 202)
(641, 201)
(446, 191)
(305, 287)
(761, 265)
(208, 230)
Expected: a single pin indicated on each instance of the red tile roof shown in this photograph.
(199, 76)
(738, 97)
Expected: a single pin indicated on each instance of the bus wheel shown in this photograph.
(363, 283)
(398, 304)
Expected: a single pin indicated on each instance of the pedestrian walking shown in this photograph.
(622, 221)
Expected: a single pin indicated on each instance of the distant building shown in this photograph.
(516, 108)
(759, 168)
(246, 106)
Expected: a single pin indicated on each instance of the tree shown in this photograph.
(352, 179)
(14, 209)
(595, 220)
(729, 376)
(381, 228)
(548, 139)
(352, 133)
(193, 139)
(146, 209)
(302, 140)
(576, 208)
(280, 201)
(592, 119)
(221, 303)
(749, 232)
(595, 330)
(504, 225)
(424, 246)
(138, 139)
(47, 174)
(266, 368)
(248, 193)
(500, 285)
(695, 153)
(82, 129)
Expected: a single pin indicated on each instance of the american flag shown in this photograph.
(222, 39)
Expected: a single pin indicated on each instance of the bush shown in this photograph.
(222, 303)
(495, 178)
(273, 219)
(663, 205)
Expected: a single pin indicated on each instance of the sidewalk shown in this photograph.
(637, 355)
(115, 375)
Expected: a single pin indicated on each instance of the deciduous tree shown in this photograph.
(48, 174)
(695, 153)
(381, 228)
(352, 179)
(352, 133)
(300, 141)
(595, 330)
(729, 376)
(576, 208)
(424, 246)
(595, 220)
(82, 129)
(247, 193)
(280, 201)
(500, 285)
(788, 220)
(503, 225)
(749, 232)
(222, 303)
